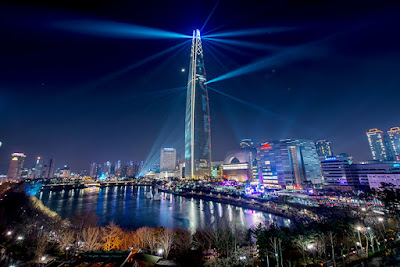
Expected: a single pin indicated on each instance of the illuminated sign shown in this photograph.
(330, 158)
(266, 146)
(14, 158)
(396, 165)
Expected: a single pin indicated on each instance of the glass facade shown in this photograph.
(324, 149)
(394, 141)
(289, 162)
(197, 119)
(378, 145)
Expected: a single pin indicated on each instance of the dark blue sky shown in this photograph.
(334, 75)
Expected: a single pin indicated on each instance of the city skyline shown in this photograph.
(58, 105)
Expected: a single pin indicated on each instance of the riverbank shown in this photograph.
(252, 204)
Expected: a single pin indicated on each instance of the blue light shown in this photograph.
(248, 32)
(117, 29)
(396, 165)
(330, 159)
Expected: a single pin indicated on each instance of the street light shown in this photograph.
(160, 251)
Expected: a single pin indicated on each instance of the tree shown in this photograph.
(182, 240)
(147, 238)
(165, 239)
(112, 237)
(91, 238)
(332, 242)
(66, 239)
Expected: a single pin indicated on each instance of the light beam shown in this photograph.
(116, 29)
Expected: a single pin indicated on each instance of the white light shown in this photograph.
(242, 258)
(43, 258)
(20, 237)
(9, 233)
(183, 70)
(358, 228)
(66, 248)
(160, 251)
(380, 219)
(310, 246)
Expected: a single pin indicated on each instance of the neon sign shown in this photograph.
(266, 146)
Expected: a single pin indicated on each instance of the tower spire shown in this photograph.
(197, 120)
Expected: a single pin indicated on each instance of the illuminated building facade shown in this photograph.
(324, 149)
(378, 144)
(197, 119)
(394, 141)
(289, 162)
(236, 166)
(167, 159)
(337, 174)
(16, 166)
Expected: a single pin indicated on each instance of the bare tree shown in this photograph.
(332, 242)
(148, 237)
(91, 238)
(66, 239)
(182, 240)
(300, 243)
(112, 237)
(166, 238)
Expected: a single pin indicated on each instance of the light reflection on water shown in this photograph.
(129, 207)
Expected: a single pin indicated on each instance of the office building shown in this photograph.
(197, 118)
(289, 162)
(337, 174)
(394, 142)
(376, 181)
(324, 148)
(378, 144)
(16, 166)
(167, 159)
(247, 145)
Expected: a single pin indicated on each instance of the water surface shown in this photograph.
(129, 207)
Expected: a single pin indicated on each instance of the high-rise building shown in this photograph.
(44, 168)
(394, 141)
(92, 170)
(289, 162)
(337, 173)
(167, 159)
(197, 119)
(324, 148)
(16, 166)
(247, 145)
(379, 145)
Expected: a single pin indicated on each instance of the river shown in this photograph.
(129, 207)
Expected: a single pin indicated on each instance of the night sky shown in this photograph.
(316, 70)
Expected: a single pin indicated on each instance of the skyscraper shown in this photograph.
(248, 146)
(289, 162)
(167, 159)
(378, 145)
(394, 141)
(16, 165)
(324, 149)
(197, 119)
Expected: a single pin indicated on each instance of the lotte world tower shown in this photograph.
(197, 120)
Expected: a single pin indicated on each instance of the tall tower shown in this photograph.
(378, 145)
(394, 141)
(16, 165)
(197, 120)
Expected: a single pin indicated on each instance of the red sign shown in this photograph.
(266, 146)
